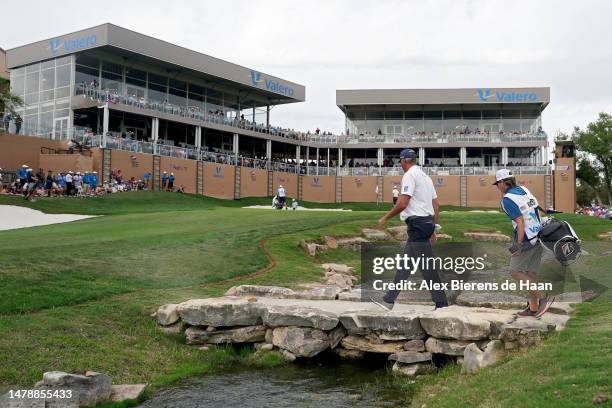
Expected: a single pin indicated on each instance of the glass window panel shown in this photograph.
(62, 92)
(18, 71)
(413, 115)
(47, 95)
(63, 60)
(112, 67)
(46, 121)
(32, 68)
(177, 97)
(111, 81)
(62, 76)
(135, 91)
(18, 84)
(157, 79)
(157, 92)
(47, 79)
(47, 107)
(135, 73)
(135, 81)
(182, 85)
(31, 84)
(31, 98)
(31, 110)
(196, 89)
(87, 60)
(83, 75)
(374, 115)
(211, 93)
(62, 104)
(47, 64)
(62, 113)
(394, 115)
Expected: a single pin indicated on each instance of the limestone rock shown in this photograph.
(167, 315)
(335, 336)
(321, 292)
(220, 312)
(353, 243)
(264, 346)
(412, 369)
(343, 282)
(178, 327)
(331, 242)
(474, 359)
(249, 334)
(494, 300)
(410, 357)
(126, 392)
(605, 235)
(338, 268)
(443, 236)
(414, 345)
(288, 356)
(461, 323)
(275, 316)
(525, 331)
(312, 247)
(301, 341)
(448, 347)
(353, 295)
(88, 390)
(374, 234)
(348, 354)
(260, 290)
(364, 344)
(488, 236)
(406, 323)
(399, 232)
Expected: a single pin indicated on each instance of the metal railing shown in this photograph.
(443, 171)
(441, 138)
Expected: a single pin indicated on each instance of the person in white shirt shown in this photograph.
(418, 207)
(281, 195)
(69, 184)
(395, 193)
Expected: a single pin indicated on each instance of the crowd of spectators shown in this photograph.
(596, 210)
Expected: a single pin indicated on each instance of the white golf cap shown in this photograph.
(502, 174)
(24, 165)
(280, 186)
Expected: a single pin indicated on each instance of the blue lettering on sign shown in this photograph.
(270, 85)
(486, 95)
(218, 172)
(71, 44)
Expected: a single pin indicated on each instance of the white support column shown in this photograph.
(543, 156)
(340, 159)
(504, 157)
(105, 119)
(317, 160)
(297, 158)
(379, 156)
(421, 156)
(269, 152)
(235, 147)
(198, 137)
(328, 161)
(307, 159)
(462, 155)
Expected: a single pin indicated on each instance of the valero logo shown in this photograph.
(488, 95)
(439, 182)
(270, 84)
(482, 181)
(218, 172)
(70, 45)
(316, 182)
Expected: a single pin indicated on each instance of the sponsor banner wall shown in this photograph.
(388, 183)
(253, 182)
(565, 184)
(131, 164)
(288, 180)
(535, 184)
(185, 172)
(359, 189)
(66, 162)
(320, 189)
(448, 189)
(481, 192)
(18, 150)
(219, 180)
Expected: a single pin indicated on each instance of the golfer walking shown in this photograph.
(418, 207)
(522, 208)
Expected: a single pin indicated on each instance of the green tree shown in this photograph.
(589, 176)
(596, 141)
(8, 100)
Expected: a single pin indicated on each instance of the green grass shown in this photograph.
(78, 296)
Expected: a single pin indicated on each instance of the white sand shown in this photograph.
(14, 217)
(299, 208)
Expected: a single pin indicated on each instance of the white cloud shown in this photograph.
(340, 44)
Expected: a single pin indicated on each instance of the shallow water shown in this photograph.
(296, 385)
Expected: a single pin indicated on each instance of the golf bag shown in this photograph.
(561, 239)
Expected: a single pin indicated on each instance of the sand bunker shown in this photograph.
(299, 208)
(14, 217)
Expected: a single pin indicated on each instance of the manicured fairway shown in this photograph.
(78, 296)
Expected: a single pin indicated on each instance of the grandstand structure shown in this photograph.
(141, 104)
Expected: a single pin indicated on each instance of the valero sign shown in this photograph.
(491, 95)
(57, 46)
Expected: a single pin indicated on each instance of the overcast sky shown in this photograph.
(329, 45)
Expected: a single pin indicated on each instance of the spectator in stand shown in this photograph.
(7, 121)
(49, 183)
(30, 187)
(164, 180)
(69, 185)
(22, 175)
(171, 182)
(395, 192)
(93, 181)
(18, 122)
(147, 178)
